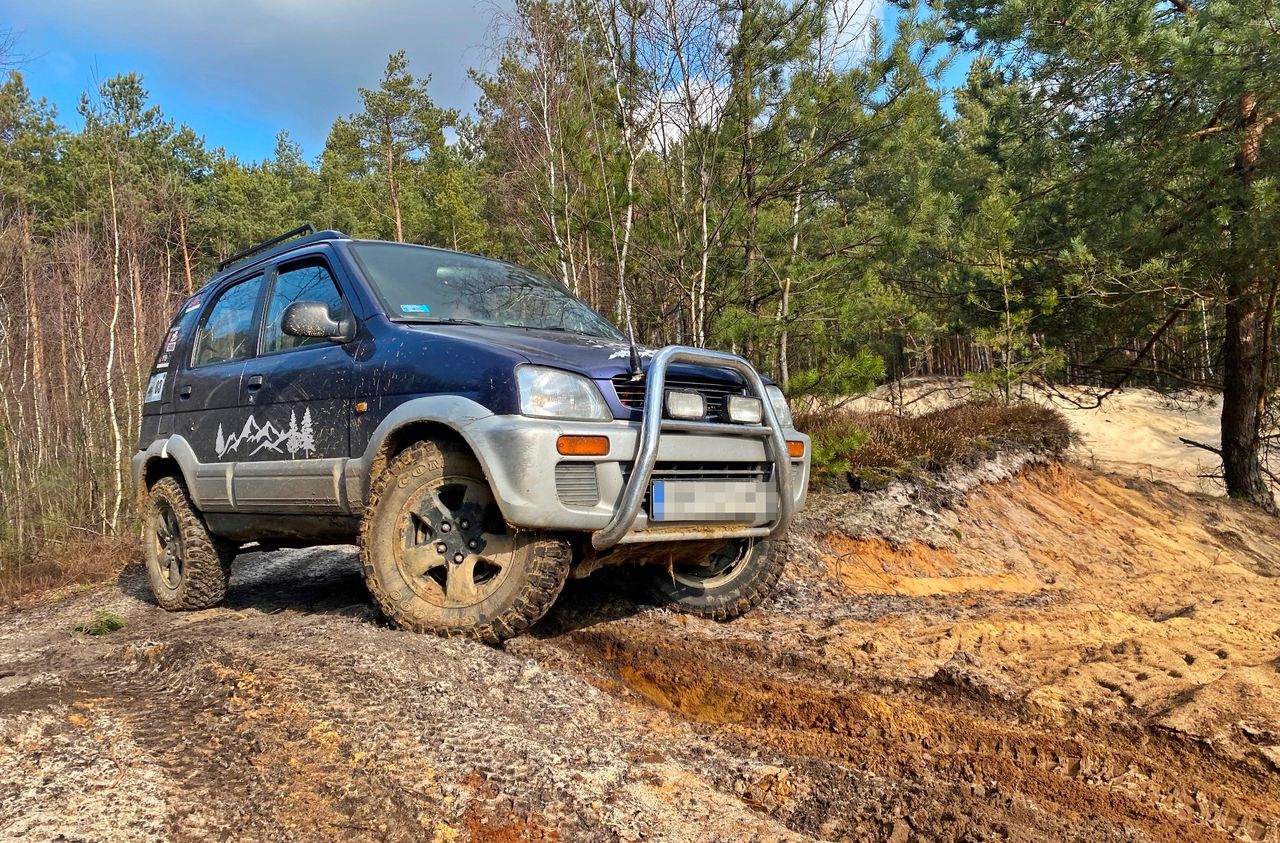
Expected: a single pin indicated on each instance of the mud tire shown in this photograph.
(725, 597)
(205, 564)
(538, 565)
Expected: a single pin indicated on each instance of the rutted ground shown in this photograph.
(1050, 653)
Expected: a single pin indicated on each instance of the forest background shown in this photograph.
(1097, 204)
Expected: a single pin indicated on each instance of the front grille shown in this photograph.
(670, 470)
(576, 484)
(631, 393)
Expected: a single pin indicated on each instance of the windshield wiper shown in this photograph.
(540, 327)
(430, 321)
(560, 328)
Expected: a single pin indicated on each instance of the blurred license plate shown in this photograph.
(751, 501)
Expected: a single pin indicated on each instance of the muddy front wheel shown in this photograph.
(726, 584)
(438, 556)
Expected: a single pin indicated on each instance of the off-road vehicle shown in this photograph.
(477, 430)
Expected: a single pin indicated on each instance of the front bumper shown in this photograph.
(520, 458)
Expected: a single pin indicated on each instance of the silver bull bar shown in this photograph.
(618, 530)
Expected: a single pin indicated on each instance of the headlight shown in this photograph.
(779, 402)
(556, 394)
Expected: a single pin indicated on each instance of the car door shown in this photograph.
(207, 398)
(298, 390)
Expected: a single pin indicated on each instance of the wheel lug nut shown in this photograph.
(465, 524)
(457, 557)
(442, 547)
(473, 544)
(444, 527)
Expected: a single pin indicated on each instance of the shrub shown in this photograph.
(865, 445)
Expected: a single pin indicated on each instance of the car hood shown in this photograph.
(595, 357)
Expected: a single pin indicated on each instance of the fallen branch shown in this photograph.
(1193, 444)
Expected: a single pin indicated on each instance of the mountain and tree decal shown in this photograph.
(296, 438)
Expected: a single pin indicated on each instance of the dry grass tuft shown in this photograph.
(866, 445)
(64, 569)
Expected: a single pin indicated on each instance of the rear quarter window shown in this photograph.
(228, 331)
(178, 332)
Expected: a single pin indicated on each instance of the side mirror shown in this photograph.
(313, 319)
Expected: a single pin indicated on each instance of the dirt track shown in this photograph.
(1062, 654)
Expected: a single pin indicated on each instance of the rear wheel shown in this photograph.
(188, 567)
(438, 556)
(727, 583)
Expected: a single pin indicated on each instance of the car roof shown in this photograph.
(284, 244)
(269, 249)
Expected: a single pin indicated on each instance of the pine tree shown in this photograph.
(1167, 116)
(399, 124)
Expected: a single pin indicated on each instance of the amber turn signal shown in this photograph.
(583, 446)
(795, 447)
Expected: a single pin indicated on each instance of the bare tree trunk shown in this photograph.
(567, 215)
(700, 334)
(392, 185)
(1243, 391)
(112, 518)
(1244, 348)
(134, 386)
(784, 301)
(15, 506)
(39, 392)
(545, 104)
(631, 132)
(186, 252)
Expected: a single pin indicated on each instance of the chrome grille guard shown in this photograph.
(651, 428)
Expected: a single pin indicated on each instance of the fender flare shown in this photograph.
(174, 447)
(452, 411)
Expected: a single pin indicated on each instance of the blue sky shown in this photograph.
(239, 71)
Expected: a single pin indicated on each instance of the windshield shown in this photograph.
(418, 284)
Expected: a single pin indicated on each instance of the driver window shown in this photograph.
(307, 281)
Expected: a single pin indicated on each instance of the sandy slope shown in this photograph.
(1027, 652)
(1133, 431)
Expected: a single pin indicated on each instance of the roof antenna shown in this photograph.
(637, 371)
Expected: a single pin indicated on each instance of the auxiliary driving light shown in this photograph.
(744, 410)
(686, 405)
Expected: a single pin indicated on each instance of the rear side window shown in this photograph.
(228, 331)
(179, 329)
(308, 281)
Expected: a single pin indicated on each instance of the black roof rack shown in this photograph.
(307, 232)
(266, 244)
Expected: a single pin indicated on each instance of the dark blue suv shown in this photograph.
(478, 431)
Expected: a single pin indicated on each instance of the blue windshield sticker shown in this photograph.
(414, 308)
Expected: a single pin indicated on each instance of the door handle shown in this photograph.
(254, 384)
(185, 392)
